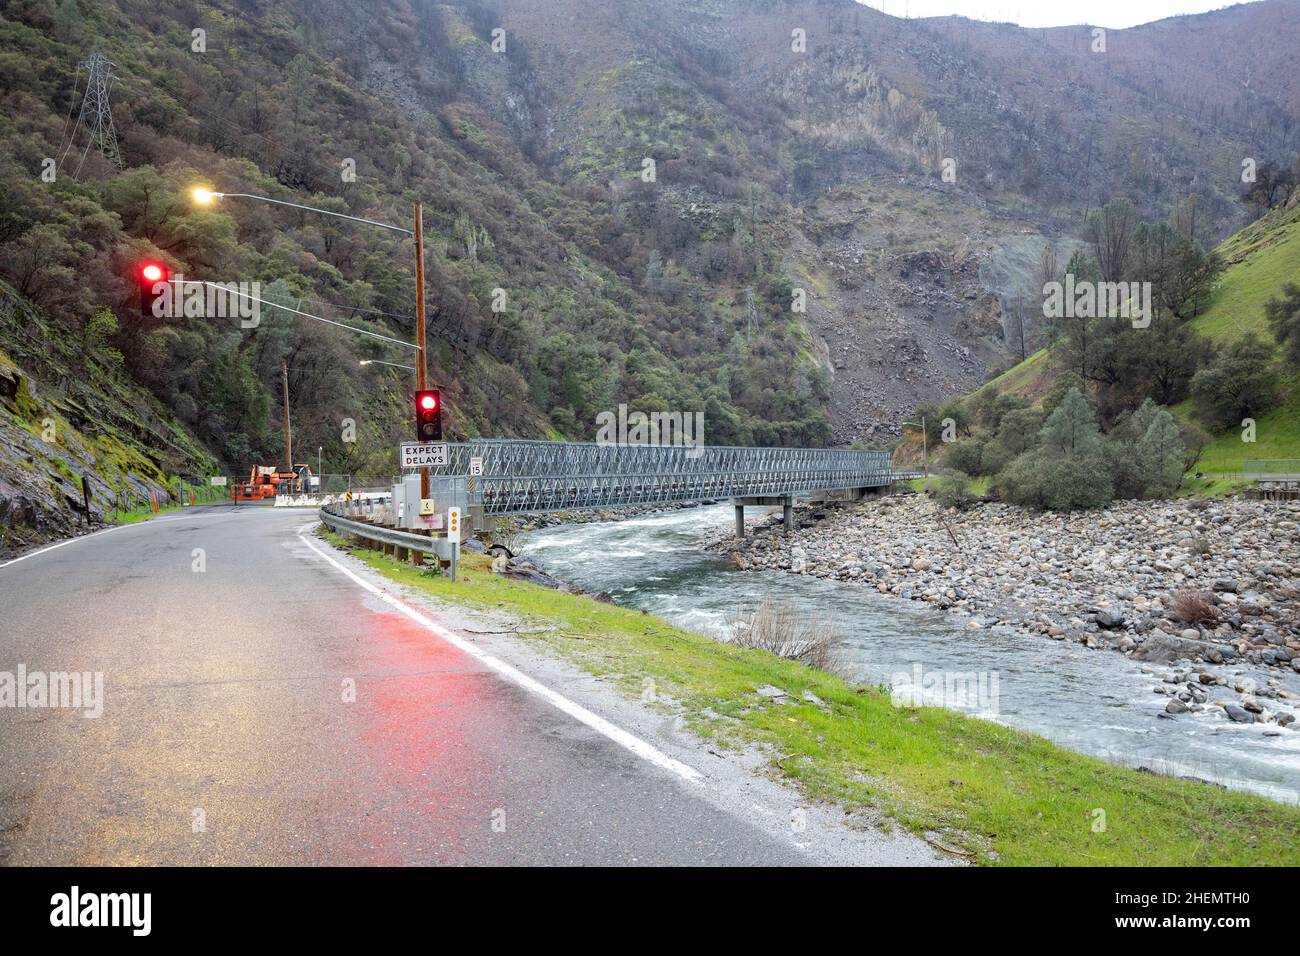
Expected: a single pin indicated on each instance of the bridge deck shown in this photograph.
(536, 476)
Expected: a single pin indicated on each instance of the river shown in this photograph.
(1096, 702)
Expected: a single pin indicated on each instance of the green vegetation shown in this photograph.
(1232, 361)
(1260, 259)
(1000, 795)
(603, 280)
(202, 494)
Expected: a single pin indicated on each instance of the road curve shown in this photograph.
(227, 648)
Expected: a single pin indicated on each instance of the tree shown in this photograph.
(1273, 183)
(1068, 469)
(1075, 330)
(1239, 384)
(1110, 231)
(1017, 434)
(1283, 314)
(1071, 429)
(1160, 456)
(1063, 385)
(1195, 440)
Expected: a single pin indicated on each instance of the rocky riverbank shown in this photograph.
(1206, 592)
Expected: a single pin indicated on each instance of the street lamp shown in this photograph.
(925, 444)
(205, 197)
(409, 368)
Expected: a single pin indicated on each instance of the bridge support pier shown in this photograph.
(785, 501)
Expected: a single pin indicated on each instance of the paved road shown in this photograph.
(225, 737)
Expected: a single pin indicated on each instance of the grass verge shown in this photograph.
(145, 512)
(1002, 795)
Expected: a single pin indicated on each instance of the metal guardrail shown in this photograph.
(525, 477)
(330, 516)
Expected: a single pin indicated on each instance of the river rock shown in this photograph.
(1238, 714)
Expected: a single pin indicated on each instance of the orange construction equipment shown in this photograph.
(265, 482)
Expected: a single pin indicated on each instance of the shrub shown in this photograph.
(1193, 607)
(783, 630)
(952, 490)
(1052, 482)
(1239, 383)
(966, 456)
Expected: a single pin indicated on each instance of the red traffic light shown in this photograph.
(150, 277)
(428, 415)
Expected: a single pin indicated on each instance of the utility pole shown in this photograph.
(925, 447)
(925, 444)
(422, 359)
(288, 433)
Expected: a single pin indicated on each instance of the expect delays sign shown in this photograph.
(414, 455)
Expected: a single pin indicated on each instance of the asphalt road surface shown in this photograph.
(226, 736)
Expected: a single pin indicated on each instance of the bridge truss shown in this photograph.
(536, 476)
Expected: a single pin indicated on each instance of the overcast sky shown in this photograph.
(1050, 13)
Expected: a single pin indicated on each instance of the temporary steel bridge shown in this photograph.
(537, 476)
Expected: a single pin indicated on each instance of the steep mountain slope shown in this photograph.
(624, 200)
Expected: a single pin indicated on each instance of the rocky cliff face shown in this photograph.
(76, 420)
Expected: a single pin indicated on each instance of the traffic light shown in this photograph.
(428, 415)
(152, 280)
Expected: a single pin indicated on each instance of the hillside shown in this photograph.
(1259, 260)
(623, 200)
(79, 416)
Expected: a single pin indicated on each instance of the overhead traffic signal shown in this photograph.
(152, 279)
(428, 415)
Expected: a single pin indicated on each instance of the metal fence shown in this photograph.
(1281, 467)
(537, 476)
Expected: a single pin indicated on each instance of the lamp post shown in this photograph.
(409, 368)
(205, 197)
(925, 444)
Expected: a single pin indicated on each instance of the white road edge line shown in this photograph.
(617, 734)
(86, 537)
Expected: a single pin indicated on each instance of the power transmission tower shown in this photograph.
(96, 115)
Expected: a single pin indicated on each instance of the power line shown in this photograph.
(230, 290)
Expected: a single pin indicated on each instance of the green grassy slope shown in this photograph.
(1260, 259)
